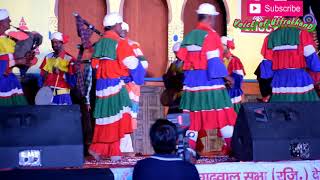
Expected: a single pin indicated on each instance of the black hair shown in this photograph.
(202, 17)
(108, 28)
(163, 136)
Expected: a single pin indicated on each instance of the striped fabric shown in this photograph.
(133, 88)
(205, 96)
(116, 66)
(11, 93)
(207, 101)
(134, 95)
(236, 71)
(286, 59)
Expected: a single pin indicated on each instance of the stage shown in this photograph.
(209, 168)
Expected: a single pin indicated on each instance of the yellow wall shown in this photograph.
(248, 45)
(39, 16)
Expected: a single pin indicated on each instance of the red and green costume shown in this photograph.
(287, 53)
(11, 93)
(205, 96)
(133, 88)
(115, 65)
(236, 71)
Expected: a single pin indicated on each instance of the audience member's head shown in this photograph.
(163, 135)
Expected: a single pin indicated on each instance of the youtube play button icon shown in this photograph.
(254, 8)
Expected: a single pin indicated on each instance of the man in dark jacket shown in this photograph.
(164, 164)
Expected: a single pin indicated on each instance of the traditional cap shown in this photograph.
(3, 14)
(112, 19)
(208, 9)
(176, 47)
(125, 26)
(228, 41)
(60, 37)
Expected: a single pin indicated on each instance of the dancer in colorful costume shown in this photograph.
(116, 65)
(287, 51)
(235, 70)
(57, 71)
(10, 88)
(134, 89)
(205, 96)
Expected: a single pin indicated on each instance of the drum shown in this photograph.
(44, 96)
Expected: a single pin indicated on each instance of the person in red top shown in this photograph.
(57, 71)
(235, 70)
(132, 88)
(205, 96)
(116, 65)
(288, 52)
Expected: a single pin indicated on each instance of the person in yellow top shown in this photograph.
(57, 71)
(10, 88)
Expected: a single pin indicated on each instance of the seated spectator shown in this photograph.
(164, 164)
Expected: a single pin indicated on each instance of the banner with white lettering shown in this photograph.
(286, 170)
